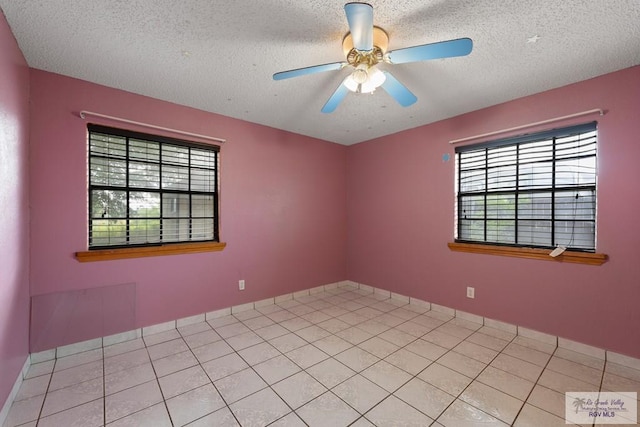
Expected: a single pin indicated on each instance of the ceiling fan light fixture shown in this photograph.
(360, 75)
(374, 79)
(351, 84)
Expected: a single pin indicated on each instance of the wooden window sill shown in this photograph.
(530, 253)
(148, 251)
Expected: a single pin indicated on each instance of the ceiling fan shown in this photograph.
(365, 46)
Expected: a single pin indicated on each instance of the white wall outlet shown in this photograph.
(241, 285)
(471, 292)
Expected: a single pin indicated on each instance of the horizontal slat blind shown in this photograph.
(148, 190)
(536, 190)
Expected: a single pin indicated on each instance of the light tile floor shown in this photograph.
(336, 358)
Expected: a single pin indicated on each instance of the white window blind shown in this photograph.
(536, 190)
(150, 190)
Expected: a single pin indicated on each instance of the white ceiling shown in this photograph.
(219, 56)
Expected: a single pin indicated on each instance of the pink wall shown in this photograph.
(14, 210)
(288, 227)
(401, 207)
(283, 207)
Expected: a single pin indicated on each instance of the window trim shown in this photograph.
(506, 248)
(569, 256)
(149, 251)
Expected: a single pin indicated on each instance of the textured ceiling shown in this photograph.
(219, 56)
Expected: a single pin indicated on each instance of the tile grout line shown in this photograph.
(155, 374)
(535, 384)
(199, 364)
(53, 369)
(604, 370)
(104, 388)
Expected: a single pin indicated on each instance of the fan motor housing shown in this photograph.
(380, 46)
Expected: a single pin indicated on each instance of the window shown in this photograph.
(535, 190)
(149, 190)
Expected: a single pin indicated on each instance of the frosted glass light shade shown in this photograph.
(375, 78)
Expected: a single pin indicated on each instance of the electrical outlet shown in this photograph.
(241, 285)
(471, 292)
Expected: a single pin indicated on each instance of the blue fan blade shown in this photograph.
(398, 91)
(308, 70)
(447, 49)
(335, 99)
(360, 18)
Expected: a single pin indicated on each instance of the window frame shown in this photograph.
(531, 250)
(161, 246)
